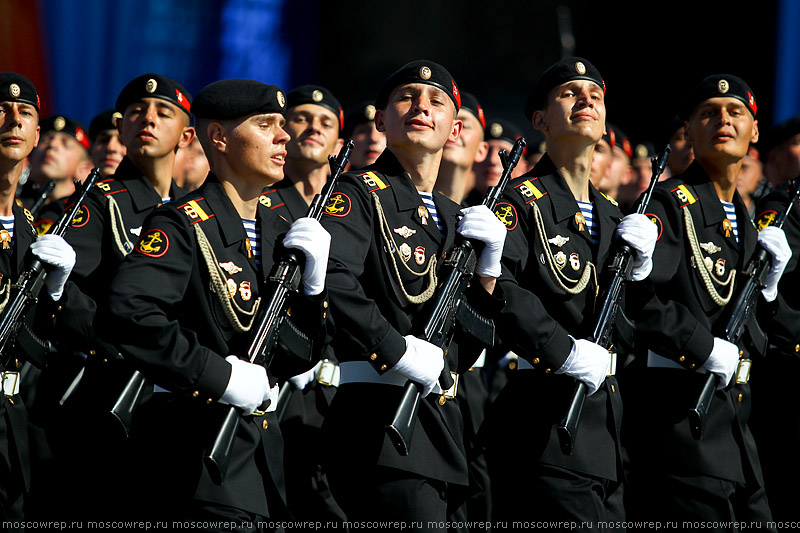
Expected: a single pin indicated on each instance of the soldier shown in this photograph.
(107, 150)
(187, 298)
(681, 154)
(601, 160)
(359, 125)
(560, 232)
(456, 177)
(191, 166)
(389, 231)
(620, 170)
(705, 239)
(782, 149)
(19, 134)
(501, 135)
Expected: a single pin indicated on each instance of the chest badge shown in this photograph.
(249, 248)
(709, 263)
(710, 248)
(574, 261)
(5, 238)
(405, 251)
(405, 232)
(230, 267)
(558, 240)
(580, 221)
(244, 291)
(726, 227)
(422, 213)
(419, 255)
(231, 288)
(720, 267)
(561, 259)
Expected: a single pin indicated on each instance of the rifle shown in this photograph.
(285, 277)
(567, 429)
(44, 192)
(30, 280)
(448, 307)
(740, 314)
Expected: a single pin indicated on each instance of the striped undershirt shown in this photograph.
(8, 225)
(251, 228)
(730, 212)
(587, 209)
(427, 199)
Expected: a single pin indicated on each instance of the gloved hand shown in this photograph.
(588, 362)
(774, 241)
(723, 361)
(54, 251)
(248, 386)
(640, 233)
(481, 224)
(308, 236)
(422, 362)
(301, 381)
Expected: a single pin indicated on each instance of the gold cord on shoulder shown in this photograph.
(124, 245)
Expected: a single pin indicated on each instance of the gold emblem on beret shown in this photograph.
(580, 68)
(14, 90)
(151, 86)
(316, 95)
(723, 86)
(369, 112)
(59, 123)
(496, 130)
(114, 118)
(281, 99)
(641, 150)
(425, 73)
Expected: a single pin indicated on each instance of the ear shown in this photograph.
(38, 133)
(456, 131)
(538, 120)
(379, 125)
(186, 137)
(217, 137)
(483, 151)
(755, 132)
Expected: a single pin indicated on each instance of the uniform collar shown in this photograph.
(228, 220)
(142, 193)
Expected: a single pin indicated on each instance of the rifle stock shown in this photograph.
(285, 278)
(734, 328)
(567, 429)
(439, 327)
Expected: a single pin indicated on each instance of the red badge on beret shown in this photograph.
(751, 101)
(182, 100)
(456, 94)
(80, 136)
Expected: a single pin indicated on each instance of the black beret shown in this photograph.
(105, 120)
(360, 114)
(780, 132)
(235, 98)
(502, 130)
(154, 86)
(470, 103)
(644, 149)
(619, 139)
(715, 86)
(65, 125)
(17, 88)
(421, 71)
(567, 69)
(314, 94)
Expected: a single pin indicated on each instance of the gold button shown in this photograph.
(59, 308)
(289, 312)
(325, 314)
(325, 304)
(547, 370)
(105, 361)
(383, 368)
(682, 358)
(797, 347)
(16, 363)
(92, 352)
(265, 424)
(373, 357)
(741, 353)
(209, 401)
(52, 317)
(613, 388)
(195, 394)
(692, 366)
(512, 366)
(535, 360)
(740, 398)
(442, 400)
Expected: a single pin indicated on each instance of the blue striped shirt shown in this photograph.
(730, 212)
(427, 199)
(587, 209)
(252, 230)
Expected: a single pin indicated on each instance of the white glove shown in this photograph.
(640, 233)
(723, 361)
(248, 386)
(422, 363)
(54, 251)
(774, 241)
(308, 236)
(481, 224)
(301, 381)
(588, 362)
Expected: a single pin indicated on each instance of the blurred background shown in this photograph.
(80, 53)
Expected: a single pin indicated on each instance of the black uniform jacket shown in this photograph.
(285, 199)
(102, 233)
(677, 318)
(168, 305)
(540, 316)
(372, 315)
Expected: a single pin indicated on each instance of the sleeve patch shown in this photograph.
(339, 205)
(765, 219)
(81, 218)
(43, 226)
(506, 214)
(657, 221)
(154, 243)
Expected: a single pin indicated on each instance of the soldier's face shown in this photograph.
(489, 171)
(721, 129)
(601, 160)
(256, 148)
(470, 147)
(418, 116)
(107, 152)
(153, 128)
(369, 145)
(314, 130)
(19, 130)
(574, 110)
(57, 157)
(681, 154)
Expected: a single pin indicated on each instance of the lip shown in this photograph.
(145, 135)
(13, 139)
(278, 158)
(311, 140)
(583, 116)
(419, 124)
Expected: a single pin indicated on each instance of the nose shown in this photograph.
(422, 104)
(148, 117)
(281, 137)
(114, 144)
(724, 117)
(584, 97)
